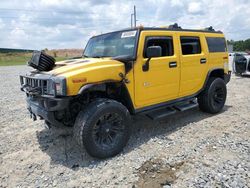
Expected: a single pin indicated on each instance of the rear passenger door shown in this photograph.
(194, 61)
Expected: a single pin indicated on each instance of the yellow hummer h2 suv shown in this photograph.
(152, 71)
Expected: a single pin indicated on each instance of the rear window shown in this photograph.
(216, 44)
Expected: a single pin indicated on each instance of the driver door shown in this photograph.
(160, 83)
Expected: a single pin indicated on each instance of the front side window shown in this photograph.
(112, 44)
(190, 45)
(166, 44)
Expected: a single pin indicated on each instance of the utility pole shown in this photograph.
(135, 15)
(132, 20)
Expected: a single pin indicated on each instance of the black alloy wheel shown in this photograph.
(103, 128)
(218, 98)
(107, 130)
(213, 98)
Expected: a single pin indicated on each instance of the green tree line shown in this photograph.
(241, 45)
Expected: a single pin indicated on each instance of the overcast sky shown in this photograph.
(54, 24)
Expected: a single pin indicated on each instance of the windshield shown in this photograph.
(112, 44)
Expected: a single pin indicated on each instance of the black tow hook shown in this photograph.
(47, 125)
(34, 117)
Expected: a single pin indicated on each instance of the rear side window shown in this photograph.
(166, 44)
(190, 45)
(216, 44)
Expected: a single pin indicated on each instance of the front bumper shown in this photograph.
(46, 108)
(227, 77)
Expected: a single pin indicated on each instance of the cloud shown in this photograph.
(195, 8)
(1, 24)
(69, 24)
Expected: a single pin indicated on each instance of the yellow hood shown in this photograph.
(79, 72)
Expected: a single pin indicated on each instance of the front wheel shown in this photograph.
(103, 128)
(213, 98)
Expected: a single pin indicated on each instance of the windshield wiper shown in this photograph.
(98, 56)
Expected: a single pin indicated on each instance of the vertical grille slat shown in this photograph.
(42, 86)
(34, 83)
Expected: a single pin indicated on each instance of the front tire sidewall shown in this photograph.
(88, 120)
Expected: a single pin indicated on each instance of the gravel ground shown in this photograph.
(189, 149)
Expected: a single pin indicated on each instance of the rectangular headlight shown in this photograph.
(59, 84)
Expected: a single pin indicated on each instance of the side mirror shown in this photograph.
(152, 51)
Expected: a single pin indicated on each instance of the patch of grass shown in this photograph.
(14, 58)
(8, 59)
(61, 58)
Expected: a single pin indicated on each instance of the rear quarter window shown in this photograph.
(216, 44)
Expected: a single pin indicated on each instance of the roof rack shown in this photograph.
(209, 28)
(174, 26)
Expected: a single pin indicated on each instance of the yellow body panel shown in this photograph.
(89, 71)
(160, 83)
(219, 59)
(193, 73)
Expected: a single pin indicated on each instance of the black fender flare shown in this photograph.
(124, 95)
(219, 72)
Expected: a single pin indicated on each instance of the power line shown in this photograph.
(51, 11)
(47, 21)
(61, 29)
(15, 17)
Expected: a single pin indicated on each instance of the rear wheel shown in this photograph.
(103, 128)
(213, 98)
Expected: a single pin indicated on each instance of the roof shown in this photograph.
(174, 27)
(180, 29)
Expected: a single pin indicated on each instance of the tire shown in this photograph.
(238, 74)
(213, 98)
(103, 128)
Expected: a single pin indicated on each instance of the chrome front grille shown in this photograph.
(34, 85)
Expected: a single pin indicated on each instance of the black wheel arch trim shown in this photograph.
(224, 76)
(101, 86)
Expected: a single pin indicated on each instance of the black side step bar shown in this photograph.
(160, 113)
(186, 106)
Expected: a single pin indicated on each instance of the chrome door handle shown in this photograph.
(172, 64)
(203, 60)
